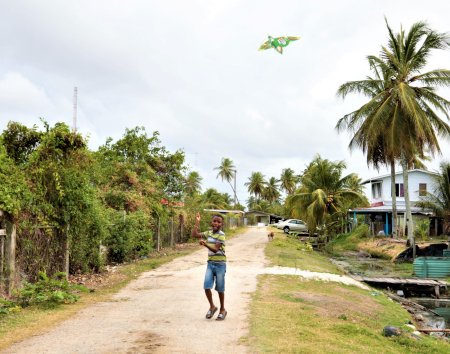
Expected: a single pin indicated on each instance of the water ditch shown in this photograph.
(428, 311)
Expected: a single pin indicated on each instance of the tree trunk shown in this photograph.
(394, 201)
(409, 222)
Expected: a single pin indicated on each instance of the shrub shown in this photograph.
(422, 229)
(49, 292)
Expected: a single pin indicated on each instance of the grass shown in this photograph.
(290, 252)
(302, 316)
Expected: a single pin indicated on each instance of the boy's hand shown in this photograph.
(202, 242)
(197, 218)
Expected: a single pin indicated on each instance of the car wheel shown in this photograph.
(286, 229)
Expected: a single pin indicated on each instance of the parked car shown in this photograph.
(292, 225)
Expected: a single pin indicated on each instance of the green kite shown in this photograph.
(277, 43)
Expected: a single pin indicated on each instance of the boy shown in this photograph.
(214, 241)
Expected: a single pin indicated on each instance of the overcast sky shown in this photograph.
(191, 70)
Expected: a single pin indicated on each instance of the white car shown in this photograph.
(292, 225)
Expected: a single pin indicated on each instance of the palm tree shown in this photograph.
(193, 183)
(256, 184)
(288, 180)
(416, 105)
(271, 191)
(379, 149)
(215, 200)
(404, 113)
(439, 200)
(227, 172)
(322, 192)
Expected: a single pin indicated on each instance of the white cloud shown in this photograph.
(192, 71)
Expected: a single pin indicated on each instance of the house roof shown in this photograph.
(225, 211)
(263, 213)
(378, 178)
(388, 209)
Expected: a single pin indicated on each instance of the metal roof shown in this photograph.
(388, 209)
(378, 178)
(225, 211)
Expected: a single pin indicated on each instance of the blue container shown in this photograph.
(446, 253)
(432, 267)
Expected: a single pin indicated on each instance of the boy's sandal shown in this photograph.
(221, 316)
(211, 313)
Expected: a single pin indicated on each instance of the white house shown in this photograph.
(380, 211)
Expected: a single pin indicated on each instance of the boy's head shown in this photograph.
(217, 222)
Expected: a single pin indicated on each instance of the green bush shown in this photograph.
(422, 230)
(130, 237)
(49, 292)
(8, 306)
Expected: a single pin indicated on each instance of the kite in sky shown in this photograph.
(277, 43)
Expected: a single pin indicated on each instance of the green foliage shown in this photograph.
(349, 241)
(8, 306)
(324, 195)
(14, 191)
(129, 236)
(49, 292)
(422, 230)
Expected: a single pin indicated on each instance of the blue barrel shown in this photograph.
(432, 267)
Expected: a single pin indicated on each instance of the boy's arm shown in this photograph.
(214, 248)
(195, 232)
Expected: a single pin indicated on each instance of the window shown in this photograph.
(399, 191)
(376, 190)
(422, 189)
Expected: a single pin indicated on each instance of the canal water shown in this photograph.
(439, 311)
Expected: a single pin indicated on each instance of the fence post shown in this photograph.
(10, 255)
(67, 253)
(159, 234)
(2, 251)
(171, 232)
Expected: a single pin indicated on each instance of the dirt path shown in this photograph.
(163, 311)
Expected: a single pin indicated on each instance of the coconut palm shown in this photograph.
(322, 192)
(193, 183)
(256, 184)
(288, 180)
(439, 200)
(379, 148)
(271, 191)
(215, 200)
(406, 112)
(227, 172)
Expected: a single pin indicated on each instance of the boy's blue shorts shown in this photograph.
(215, 271)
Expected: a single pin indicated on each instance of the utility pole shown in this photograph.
(235, 198)
(75, 98)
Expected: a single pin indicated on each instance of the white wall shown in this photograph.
(415, 177)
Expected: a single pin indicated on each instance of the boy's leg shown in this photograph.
(208, 294)
(220, 270)
(222, 302)
(208, 284)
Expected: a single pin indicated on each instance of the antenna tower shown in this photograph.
(75, 97)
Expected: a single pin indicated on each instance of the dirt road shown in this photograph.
(164, 310)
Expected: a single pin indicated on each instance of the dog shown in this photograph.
(270, 235)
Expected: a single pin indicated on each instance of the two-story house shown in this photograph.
(379, 214)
